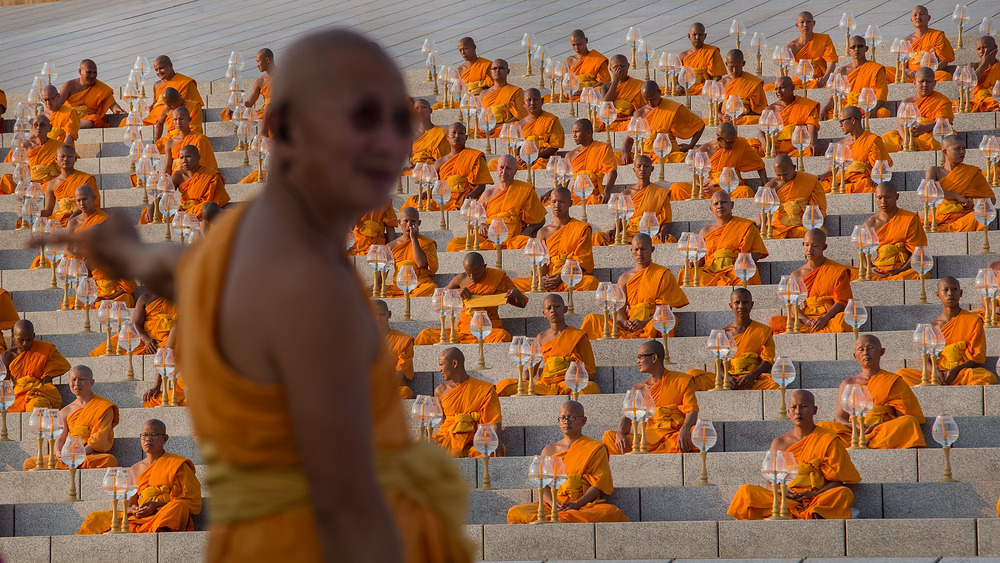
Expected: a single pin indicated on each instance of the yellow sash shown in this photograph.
(744, 363)
(667, 419)
(641, 311)
(465, 422)
(371, 229)
(952, 355)
(722, 259)
(793, 212)
(891, 255)
(555, 368)
(83, 432)
(816, 306)
(155, 494)
(809, 476)
(876, 415)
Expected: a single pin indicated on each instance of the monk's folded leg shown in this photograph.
(429, 336)
(593, 324)
(702, 380)
(601, 512)
(832, 504)
(507, 387)
(751, 502)
(523, 513)
(893, 142)
(172, 517)
(975, 376)
(425, 289)
(741, 191)
(587, 283)
(680, 191)
(836, 324)
(98, 461)
(498, 335)
(609, 441)
(7, 184)
(778, 324)
(896, 434)
(522, 284)
(840, 429)
(882, 113)
(514, 242)
(96, 523)
(458, 244)
(764, 382)
(405, 392)
(911, 376)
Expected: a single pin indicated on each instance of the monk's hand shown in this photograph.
(819, 323)
(622, 443)
(609, 235)
(964, 201)
(684, 441)
(626, 157)
(414, 232)
(550, 283)
(569, 506)
(151, 393)
(521, 164)
(545, 197)
(148, 509)
(685, 147)
(952, 374)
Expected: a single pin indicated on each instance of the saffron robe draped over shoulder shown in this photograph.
(517, 206)
(706, 62)
(28, 369)
(965, 341)
(866, 150)
(653, 285)
(932, 107)
(897, 239)
(723, 246)
(466, 406)
(829, 285)
(92, 103)
(654, 199)
(965, 180)
(804, 190)
(462, 171)
(494, 282)
(674, 397)
(94, 424)
(41, 161)
(572, 345)
(750, 90)
(754, 345)
(402, 255)
(884, 428)
(674, 119)
(595, 160)
(370, 228)
(742, 157)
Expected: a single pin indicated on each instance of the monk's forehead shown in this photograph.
(802, 397)
(697, 28)
(155, 426)
(571, 408)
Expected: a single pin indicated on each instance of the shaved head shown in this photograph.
(82, 371)
(163, 60)
(171, 95)
(473, 260)
(266, 53)
(155, 425)
(24, 326)
(380, 306)
(886, 188)
(585, 125)
(578, 34)
(925, 73)
(189, 149)
(742, 293)
(952, 141)
(784, 162)
(642, 239)
(785, 81)
(650, 89)
(409, 213)
(571, 408)
(84, 191)
(554, 298)
(850, 111)
(816, 235)
(653, 347)
(735, 55)
(618, 59)
(727, 130)
(803, 396)
(721, 195)
(562, 192)
(871, 339)
(697, 27)
(453, 354)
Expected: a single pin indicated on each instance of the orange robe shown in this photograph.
(869, 75)
(65, 195)
(893, 431)
(896, 241)
(465, 406)
(674, 397)
(546, 131)
(572, 241)
(506, 103)
(653, 198)
(477, 77)
(370, 229)
(494, 282)
(828, 285)
(161, 316)
(94, 424)
(463, 171)
(742, 157)
(8, 315)
(750, 90)
(205, 184)
(41, 160)
(402, 255)
(401, 346)
(968, 181)
(587, 465)
(931, 107)
(866, 150)
(653, 285)
(93, 103)
(965, 341)
(592, 69)
(628, 99)
(821, 458)
(821, 51)
(674, 119)
(205, 151)
(517, 206)
(706, 63)
(27, 370)
(186, 86)
(753, 346)
(169, 479)
(723, 246)
(595, 160)
(934, 41)
(169, 131)
(265, 96)
(802, 191)
(982, 94)
(801, 111)
(432, 145)
(261, 507)
(572, 345)
(64, 122)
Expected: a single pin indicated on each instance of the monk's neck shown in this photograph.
(806, 36)
(657, 373)
(533, 115)
(803, 430)
(561, 220)
(84, 399)
(587, 143)
(456, 149)
(736, 74)
(867, 372)
(66, 173)
(950, 165)
(948, 313)
(723, 221)
(500, 84)
(153, 456)
(643, 183)
(887, 214)
(91, 212)
(816, 262)
(568, 439)
(639, 266)
(557, 327)
(921, 30)
(741, 322)
(460, 378)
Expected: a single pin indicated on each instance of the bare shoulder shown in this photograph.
(936, 173)
(549, 449)
(623, 279)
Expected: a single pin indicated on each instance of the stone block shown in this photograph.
(936, 500)
(734, 405)
(875, 560)
(988, 532)
(140, 548)
(686, 503)
(967, 464)
(490, 507)
(26, 550)
(991, 400)
(528, 542)
(976, 431)
(956, 400)
(867, 500)
(911, 537)
(629, 501)
(724, 467)
(179, 547)
(752, 436)
(474, 534)
(35, 486)
(651, 470)
(781, 538)
(651, 540)
(886, 466)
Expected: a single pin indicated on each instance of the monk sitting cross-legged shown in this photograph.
(750, 368)
(60, 192)
(261, 89)
(794, 111)
(824, 467)
(32, 365)
(933, 105)
(588, 472)
(169, 494)
(567, 239)
(505, 100)
(185, 86)
(197, 184)
(154, 318)
(474, 70)
(65, 122)
(745, 86)
(464, 169)
(987, 74)
(90, 98)
(512, 201)
(646, 197)
(961, 183)
(91, 417)
(478, 280)
(375, 226)
(899, 232)
(594, 158)
(185, 135)
(862, 73)
(542, 128)
(676, 408)
(589, 66)
(866, 148)
(728, 150)
(829, 285)
(725, 239)
(664, 116)
(430, 142)
(41, 155)
(894, 421)
(962, 359)
(401, 346)
(172, 101)
(561, 344)
(623, 91)
(817, 48)
(108, 287)
(645, 286)
(925, 40)
(153, 397)
(706, 60)
(467, 402)
(796, 191)
(413, 249)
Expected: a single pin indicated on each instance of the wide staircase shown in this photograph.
(902, 509)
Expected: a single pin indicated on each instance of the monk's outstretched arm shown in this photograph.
(592, 494)
(684, 434)
(609, 184)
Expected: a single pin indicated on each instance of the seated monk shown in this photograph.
(665, 116)
(894, 422)
(751, 367)
(704, 59)
(505, 100)
(829, 285)
(464, 169)
(90, 98)
(185, 86)
(466, 402)
(589, 66)
(728, 150)
(567, 239)
(933, 105)
(541, 127)
(474, 70)
(377, 226)
(862, 73)
(153, 396)
(169, 494)
(261, 86)
(478, 280)
(430, 141)
(401, 346)
(413, 249)
(647, 197)
(588, 472)
(65, 122)
(623, 91)
(32, 365)
(8, 316)
(561, 344)
(725, 239)
(512, 201)
(796, 191)
(645, 286)
(172, 101)
(899, 232)
(41, 155)
(196, 183)
(794, 111)
(154, 318)
(962, 183)
(594, 158)
(108, 288)
(817, 48)
(964, 355)
(747, 87)
(669, 430)
(185, 136)
(91, 417)
(60, 192)
(987, 74)
(867, 149)
(925, 40)
(824, 467)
